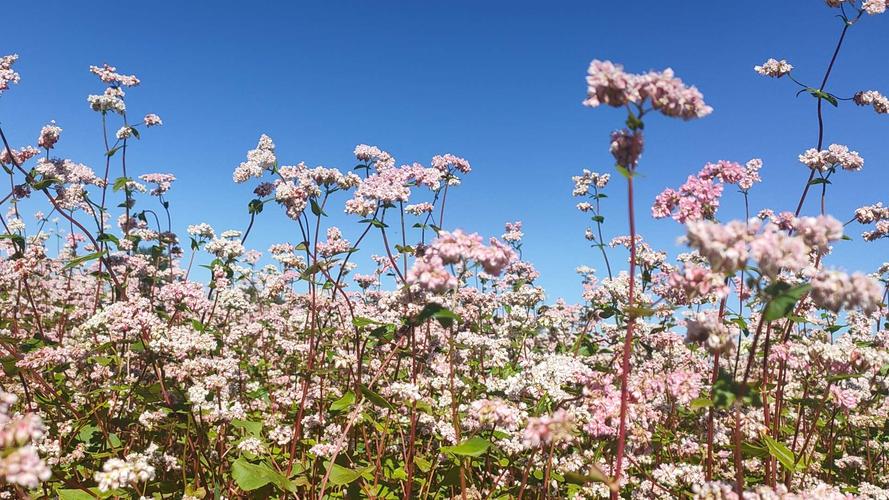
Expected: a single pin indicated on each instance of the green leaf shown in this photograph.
(340, 475)
(624, 171)
(252, 428)
(375, 398)
(74, 495)
(700, 403)
(316, 208)
(444, 316)
(820, 94)
(780, 451)
(254, 207)
(815, 182)
(782, 304)
(472, 447)
(249, 476)
(344, 402)
(76, 261)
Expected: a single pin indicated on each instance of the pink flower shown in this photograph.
(549, 429)
(152, 120)
(835, 155)
(109, 75)
(774, 68)
(608, 84)
(7, 74)
(430, 273)
(873, 98)
(626, 147)
(49, 135)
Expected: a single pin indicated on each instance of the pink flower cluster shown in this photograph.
(774, 68)
(258, 160)
(608, 84)
(152, 120)
(549, 429)
(7, 74)
(835, 155)
(626, 147)
(109, 75)
(873, 98)
(874, 7)
(835, 290)
(49, 135)
(706, 328)
(513, 232)
(699, 197)
(163, 182)
(19, 463)
(335, 243)
(583, 183)
(696, 281)
(451, 248)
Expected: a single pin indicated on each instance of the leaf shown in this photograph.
(344, 402)
(700, 403)
(361, 322)
(340, 475)
(254, 207)
(249, 476)
(375, 398)
(472, 447)
(74, 495)
(76, 261)
(815, 182)
(780, 451)
(820, 94)
(316, 208)
(252, 428)
(444, 316)
(595, 476)
(624, 171)
(782, 304)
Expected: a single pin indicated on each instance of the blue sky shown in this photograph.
(497, 82)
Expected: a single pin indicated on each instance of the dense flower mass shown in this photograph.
(609, 84)
(774, 68)
(141, 363)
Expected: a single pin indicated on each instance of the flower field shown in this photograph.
(140, 363)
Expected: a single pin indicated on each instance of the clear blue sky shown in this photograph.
(497, 82)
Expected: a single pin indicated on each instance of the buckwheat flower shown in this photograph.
(163, 182)
(124, 133)
(549, 429)
(258, 160)
(7, 74)
(419, 208)
(49, 135)
(24, 467)
(829, 289)
(750, 175)
(696, 281)
(724, 246)
(881, 230)
(835, 155)
(108, 74)
(430, 273)
(874, 7)
(582, 183)
(774, 68)
(845, 399)
(608, 84)
(202, 230)
(152, 120)
(819, 232)
(697, 199)
(335, 243)
(251, 445)
(873, 98)
(109, 101)
(872, 213)
(131, 471)
(775, 250)
(372, 154)
(18, 156)
(707, 329)
(444, 163)
(513, 232)
(626, 147)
